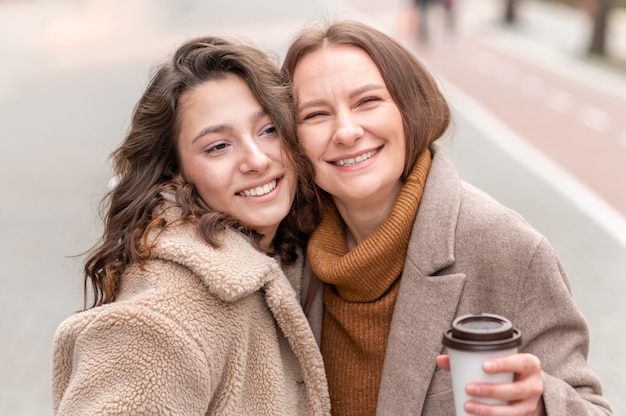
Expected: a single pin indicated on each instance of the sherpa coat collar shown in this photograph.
(194, 331)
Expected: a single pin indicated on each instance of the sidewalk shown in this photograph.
(567, 30)
(552, 25)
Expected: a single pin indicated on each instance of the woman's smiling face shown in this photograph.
(229, 149)
(349, 125)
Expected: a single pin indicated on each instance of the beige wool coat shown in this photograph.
(469, 254)
(195, 331)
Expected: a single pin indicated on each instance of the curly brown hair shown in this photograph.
(146, 163)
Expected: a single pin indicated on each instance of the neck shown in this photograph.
(268, 238)
(364, 216)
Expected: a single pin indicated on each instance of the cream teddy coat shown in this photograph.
(195, 331)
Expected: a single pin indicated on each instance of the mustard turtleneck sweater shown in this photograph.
(360, 294)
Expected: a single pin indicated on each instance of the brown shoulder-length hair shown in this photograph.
(425, 112)
(146, 163)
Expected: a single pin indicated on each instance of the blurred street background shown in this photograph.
(540, 123)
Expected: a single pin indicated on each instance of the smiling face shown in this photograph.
(350, 127)
(229, 149)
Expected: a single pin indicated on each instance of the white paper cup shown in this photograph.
(472, 340)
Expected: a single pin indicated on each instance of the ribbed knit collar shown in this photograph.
(366, 272)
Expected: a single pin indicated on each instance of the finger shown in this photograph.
(443, 362)
(521, 364)
(515, 408)
(529, 388)
(524, 389)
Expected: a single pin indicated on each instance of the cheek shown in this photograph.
(210, 183)
(290, 170)
(189, 169)
(183, 165)
(293, 183)
(399, 121)
(311, 141)
(215, 197)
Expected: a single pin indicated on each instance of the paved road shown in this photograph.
(74, 72)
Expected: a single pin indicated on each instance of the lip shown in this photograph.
(261, 187)
(360, 153)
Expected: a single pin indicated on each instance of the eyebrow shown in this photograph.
(220, 128)
(363, 89)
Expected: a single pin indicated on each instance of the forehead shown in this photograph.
(216, 96)
(339, 54)
(346, 64)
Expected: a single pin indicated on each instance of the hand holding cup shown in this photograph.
(474, 343)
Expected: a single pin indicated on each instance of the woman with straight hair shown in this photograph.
(405, 246)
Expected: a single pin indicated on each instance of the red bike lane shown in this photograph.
(579, 126)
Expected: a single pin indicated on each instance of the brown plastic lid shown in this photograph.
(482, 332)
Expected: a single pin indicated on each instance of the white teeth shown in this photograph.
(260, 190)
(354, 160)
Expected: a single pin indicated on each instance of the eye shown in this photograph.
(216, 149)
(311, 116)
(269, 130)
(369, 100)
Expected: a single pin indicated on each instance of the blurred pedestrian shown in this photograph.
(450, 14)
(422, 7)
(192, 314)
(424, 11)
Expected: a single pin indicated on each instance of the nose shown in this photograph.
(255, 158)
(347, 129)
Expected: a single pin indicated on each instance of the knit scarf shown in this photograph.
(362, 286)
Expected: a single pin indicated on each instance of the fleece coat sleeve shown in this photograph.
(130, 362)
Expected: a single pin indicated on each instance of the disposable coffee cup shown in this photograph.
(472, 340)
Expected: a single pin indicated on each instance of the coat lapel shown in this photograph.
(286, 309)
(427, 299)
(424, 309)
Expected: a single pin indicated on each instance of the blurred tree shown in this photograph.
(510, 12)
(600, 13)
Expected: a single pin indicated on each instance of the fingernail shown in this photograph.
(473, 389)
(489, 366)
